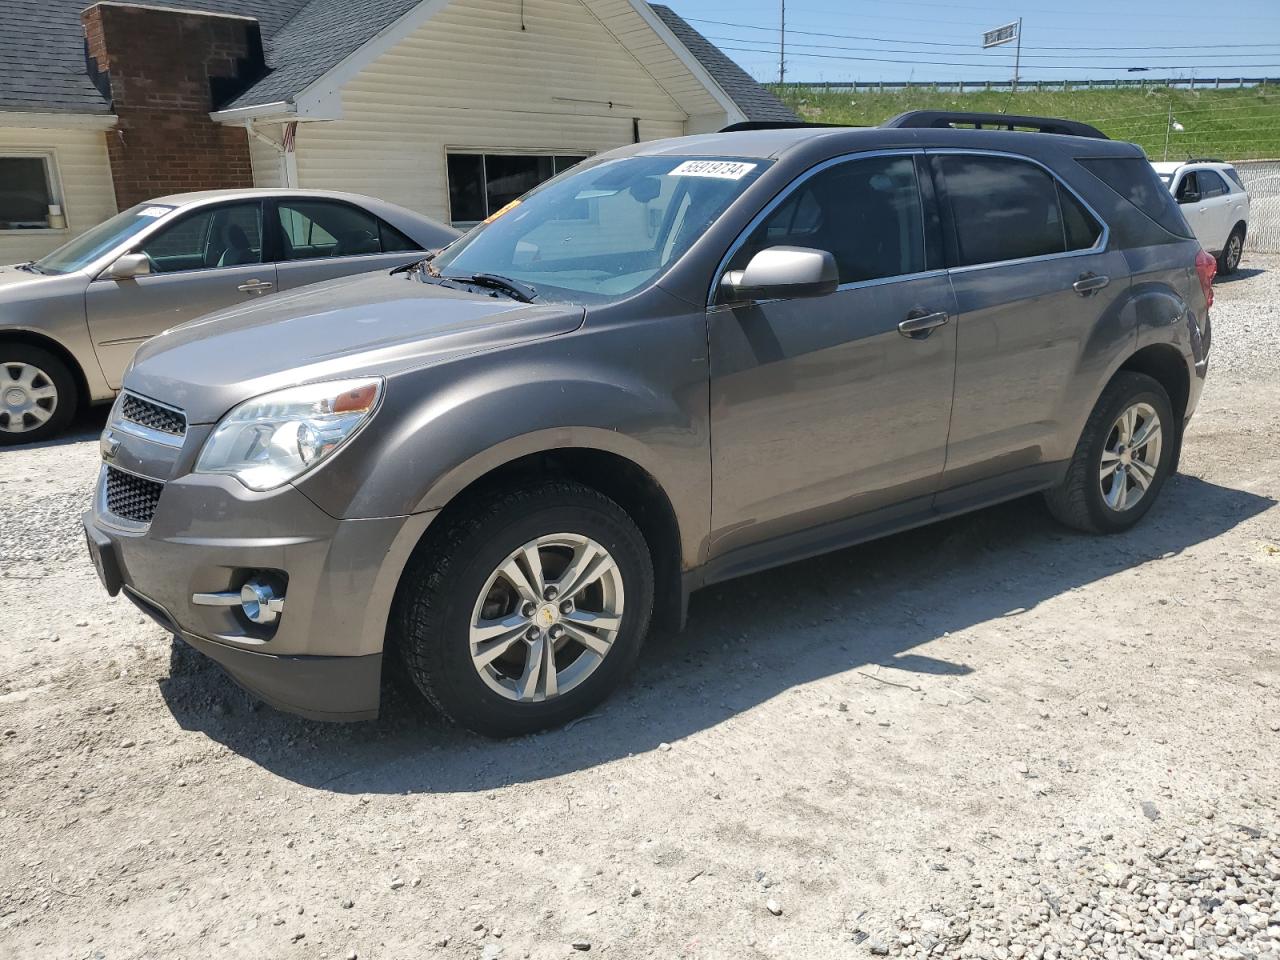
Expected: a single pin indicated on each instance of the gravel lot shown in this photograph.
(991, 737)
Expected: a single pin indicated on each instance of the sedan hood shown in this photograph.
(375, 323)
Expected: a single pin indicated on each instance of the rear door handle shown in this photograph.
(255, 286)
(919, 323)
(1088, 283)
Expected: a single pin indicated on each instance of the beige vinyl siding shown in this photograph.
(83, 183)
(470, 79)
(266, 160)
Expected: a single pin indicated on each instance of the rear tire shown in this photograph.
(38, 395)
(470, 604)
(1229, 259)
(1112, 496)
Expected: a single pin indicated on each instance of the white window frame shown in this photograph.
(498, 152)
(53, 180)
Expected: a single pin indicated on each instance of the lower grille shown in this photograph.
(131, 497)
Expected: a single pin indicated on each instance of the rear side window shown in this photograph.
(1234, 174)
(1212, 185)
(1134, 180)
(311, 229)
(1007, 209)
(867, 213)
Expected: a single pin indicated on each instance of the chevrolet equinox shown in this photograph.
(680, 361)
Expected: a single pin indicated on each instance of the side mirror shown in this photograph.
(128, 266)
(783, 273)
(1189, 196)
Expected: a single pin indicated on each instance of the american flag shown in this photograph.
(289, 130)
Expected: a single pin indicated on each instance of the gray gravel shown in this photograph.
(1246, 320)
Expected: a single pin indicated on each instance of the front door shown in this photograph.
(1036, 290)
(207, 260)
(823, 408)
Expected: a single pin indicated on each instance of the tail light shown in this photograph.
(1206, 268)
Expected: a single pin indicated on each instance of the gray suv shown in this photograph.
(679, 362)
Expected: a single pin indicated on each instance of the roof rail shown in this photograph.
(994, 121)
(1203, 160)
(774, 125)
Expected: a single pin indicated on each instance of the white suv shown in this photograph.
(1215, 203)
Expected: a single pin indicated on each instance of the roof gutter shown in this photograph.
(81, 121)
(280, 110)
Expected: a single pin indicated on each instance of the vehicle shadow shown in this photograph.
(865, 608)
(1242, 273)
(87, 425)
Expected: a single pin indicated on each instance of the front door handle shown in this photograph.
(255, 286)
(1088, 283)
(919, 323)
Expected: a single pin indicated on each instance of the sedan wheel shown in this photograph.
(1130, 457)
(28, 397)
(547, 617)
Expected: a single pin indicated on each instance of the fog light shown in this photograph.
(257, 600)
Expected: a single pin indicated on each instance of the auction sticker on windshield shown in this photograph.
(720, 169)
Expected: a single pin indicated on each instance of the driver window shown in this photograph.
(1188, 188)
(223, 236)
(866, 213)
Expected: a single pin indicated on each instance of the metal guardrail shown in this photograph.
(1262, 180)
(974, 86)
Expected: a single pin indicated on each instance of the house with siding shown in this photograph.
(448, 107)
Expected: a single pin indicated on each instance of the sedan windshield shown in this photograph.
(599, 233)
(92, 244)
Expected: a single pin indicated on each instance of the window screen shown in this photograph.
(1006, 209)
(481, 184)
(25, 193)
(867, 213)
(1134, 180)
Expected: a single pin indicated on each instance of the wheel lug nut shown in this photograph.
(556, 632)
(566, 607)
(533, 634)
(529, 609)
(550, 593)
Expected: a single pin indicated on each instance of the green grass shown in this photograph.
(1233, 124)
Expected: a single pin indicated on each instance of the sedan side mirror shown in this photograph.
(783, 273)
(127, 267)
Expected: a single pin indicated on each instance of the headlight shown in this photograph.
(269, 440)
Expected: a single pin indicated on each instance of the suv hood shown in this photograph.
(374, 323)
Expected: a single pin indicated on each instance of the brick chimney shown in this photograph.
(164, 71)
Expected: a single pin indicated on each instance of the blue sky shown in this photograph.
(942, 41)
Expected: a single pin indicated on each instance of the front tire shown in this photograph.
(37, 394)
(526, 609)
(1127, 450)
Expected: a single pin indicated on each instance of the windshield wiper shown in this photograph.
(496, 281)
(31, 267)
(419, 266)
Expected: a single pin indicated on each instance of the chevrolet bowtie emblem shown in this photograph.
(109, 446)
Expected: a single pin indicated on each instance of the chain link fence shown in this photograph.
(1262, 180)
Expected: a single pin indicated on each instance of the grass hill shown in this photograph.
(1232, 124)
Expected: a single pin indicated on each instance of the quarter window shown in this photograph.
(867, 213)
(481, 184)
(310, 229)
(27, 194)
(226, 236)
(1007, 209)
(1133, 179)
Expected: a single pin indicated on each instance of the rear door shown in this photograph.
(822, 408)
(204, 261)
(1035, 285)
(321, 239)
(1215, 204)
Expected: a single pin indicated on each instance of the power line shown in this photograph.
(952, 63)
(986, 58)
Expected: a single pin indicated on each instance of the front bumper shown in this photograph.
(322, 658)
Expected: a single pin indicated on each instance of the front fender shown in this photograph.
(638, 392)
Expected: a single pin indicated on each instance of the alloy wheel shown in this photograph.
(1130, 457)
(547, 617)
(28, 397)
(1234, 248)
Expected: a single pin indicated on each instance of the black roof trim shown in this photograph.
(774, 125)
(995, 121)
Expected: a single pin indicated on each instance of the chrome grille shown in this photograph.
(132, 497)
(152, 415)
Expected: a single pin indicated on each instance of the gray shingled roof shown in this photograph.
(42, 63)
(752, 99)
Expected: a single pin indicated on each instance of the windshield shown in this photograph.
(92, 244)
(603, 232)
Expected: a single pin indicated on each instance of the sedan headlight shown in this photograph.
(267, 441)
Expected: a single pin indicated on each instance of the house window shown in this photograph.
(481, 184)
(27, 192)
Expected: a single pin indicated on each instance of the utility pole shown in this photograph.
(782, 46)
(1168, 127)
(1017, 58)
